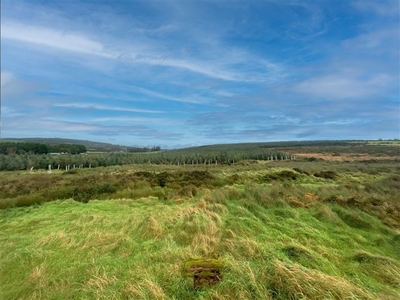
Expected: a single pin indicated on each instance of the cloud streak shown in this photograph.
(47, 37)
(344, 86)
(106, 107)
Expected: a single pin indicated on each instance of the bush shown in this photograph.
(283, 175)
(326, 174)
(301, 171)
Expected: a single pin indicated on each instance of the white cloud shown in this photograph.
(17, 124)
(210, 68)
(105, 107)
(138, 120)
(189, 99)
(11, 85)
(52, 38)
(6, 77)
(377, 41)
(380, 7)
(342, 86)
(225, 67)
(8, 112)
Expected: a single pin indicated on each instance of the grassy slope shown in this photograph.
(135, 249)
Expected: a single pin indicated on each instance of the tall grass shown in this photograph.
(127, 233)
(137, 249)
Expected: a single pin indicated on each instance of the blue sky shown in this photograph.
(178, 73)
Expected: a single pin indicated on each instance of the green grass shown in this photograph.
(273, 230)
(137, 249)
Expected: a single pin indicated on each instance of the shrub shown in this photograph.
(162, 179)
(301, 171)
(282, 175)
(326, 174)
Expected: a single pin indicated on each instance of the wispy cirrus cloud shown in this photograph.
(383, 8)
(188, 99)
(344, 86)
(55, 126)
(137, 120)
(76, 42)
(97, 106)
(49, 37)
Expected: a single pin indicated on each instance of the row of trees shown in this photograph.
(177, 157)
(7, 148)
(143, 149)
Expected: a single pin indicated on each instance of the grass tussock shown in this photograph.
(145, 289)
(324, 213)
(381, 268)
(150, 228)
(296, 282)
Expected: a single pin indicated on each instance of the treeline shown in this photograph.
(195, 156)
(143, 149)
(8, 148)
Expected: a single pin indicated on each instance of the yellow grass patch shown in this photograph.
(297, 282)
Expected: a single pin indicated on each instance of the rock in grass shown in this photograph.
(204, 271)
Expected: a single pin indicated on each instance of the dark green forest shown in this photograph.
(7, 148)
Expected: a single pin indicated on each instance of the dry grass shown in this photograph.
(145, 289)
(296, 282)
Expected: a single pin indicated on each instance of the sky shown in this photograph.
(177, 73)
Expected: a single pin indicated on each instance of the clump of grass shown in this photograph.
(139, 191)
(144, 289)
(324, 213)
(396, 244)
(381, 268)
(297, 282)
(354, 218)
(302, 171)
(189, 191)
(150, 228)
(297, 252)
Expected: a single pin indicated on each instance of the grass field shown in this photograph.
(272, 230)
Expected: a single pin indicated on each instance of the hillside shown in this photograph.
(251, 230)
(90, 145)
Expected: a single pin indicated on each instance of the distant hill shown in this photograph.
(90, 145)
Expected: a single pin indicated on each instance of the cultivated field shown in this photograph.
(310, 228)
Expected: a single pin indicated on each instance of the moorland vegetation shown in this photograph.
(306, 228)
